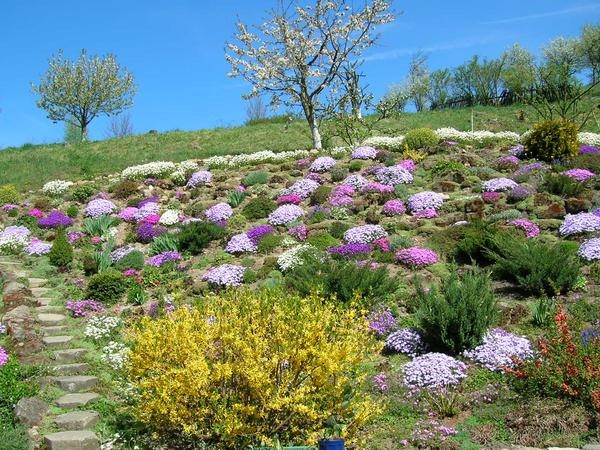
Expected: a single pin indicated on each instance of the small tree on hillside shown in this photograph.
(417, 83)
(589, 50)
(299, 51)
(79, 91)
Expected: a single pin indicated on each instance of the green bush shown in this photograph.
(320, 195)
(338, 174)
(259, 208)
(9, 194)
(258, 177)
(474, 242)
(61, 253)
(447, 167)
(72, 211)
(456, 315)
(106, 287)
(322, 240)
(163, 243)
(125, 189)
(355, 166)
(421, 138)
(89, 264)
(269, 242)
(536, 267)
(342, 279)
(562, 185)
(195, 237)
(14, 385)
(195, 210)
(132, 260)
(552, 139)
(83, 193)
(337, 229)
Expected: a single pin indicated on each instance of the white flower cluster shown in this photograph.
(169, 217)
(254, 158)
(385, 142)
(589, 139)
(477, 136)
(14, 238)
(294, 256)
(154, 169)
(115, 354)
(100, 327)
(339, 152)
(183, 171)
(56, 187)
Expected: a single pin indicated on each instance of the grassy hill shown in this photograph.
(30, 166)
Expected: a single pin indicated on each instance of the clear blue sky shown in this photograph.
(175, 51)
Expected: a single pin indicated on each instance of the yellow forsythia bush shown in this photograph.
(245, 367)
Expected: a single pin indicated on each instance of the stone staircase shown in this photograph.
(71, 371)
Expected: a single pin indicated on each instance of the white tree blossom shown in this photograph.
(297, 54)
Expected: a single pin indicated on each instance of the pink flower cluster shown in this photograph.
(341, 195)
(394, 207)
(416, 256)
(293, 199)
(580, 175)
(530, 228)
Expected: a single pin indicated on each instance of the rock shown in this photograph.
(21, 327)
(70, 355)
(39, 292)
(53, 331)
(76, 383)
(554, 211)
(72, 440)
(77, 420)
(31, 411)
(575, 205)
(16, 294)
(75, 400)
(591, 447)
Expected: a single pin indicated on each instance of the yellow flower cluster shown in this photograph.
(246, 367)
(415, 155)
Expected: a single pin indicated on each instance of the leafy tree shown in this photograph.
(479, 81)
(562, 56)
(589, 50)
(440, 82)
(79, 91)
(518, 74)
(299, 51)
(417, 83)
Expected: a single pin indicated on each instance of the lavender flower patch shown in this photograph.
(99, 207)
(303, 188)
(425, 200)
(499, 184)
(364, 152)
(590, 249)
(382, 322)
(322, 164)
(219, 213)
(199, 178)
(579, 223)
(417, 256)
(500, 349)
(407, 341)
(255, 234)
(350, 250)
(531, 229)
(163, 258)
(434, 370)
(356, 181)
(364, 234)
(241, 243)
(225, 275)
(394, 175)
(285, 214)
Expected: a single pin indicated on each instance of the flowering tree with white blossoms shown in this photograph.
(298, 53)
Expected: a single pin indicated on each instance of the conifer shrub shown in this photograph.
(322, 241)
(337, 229)
(106, 287)
(562, 185)
(83, 193)
(552, 139)
(195, 237)
(125, 189)
(421, 138)
(61, 253)
(320, 195)
(231, 364)
(456, 315)
(259, 208)
(9, 194)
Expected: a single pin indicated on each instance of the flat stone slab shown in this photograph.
(77, 420)
(47, 319)
(48, 309)
(53, 330)
(39, 291)
(72, 440)
(44, 301)
(76, 383)
(75, 400)
(71, 369)
(70, 355)
(36, 282)
(56, 341)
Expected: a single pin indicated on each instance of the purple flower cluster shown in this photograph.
(430, 434)
(285, 214)
(219, 213)
(225, 275)
(299, 232)
(303, 188)
(500, 349)
(255, 234)
(314, 176)
(588, 149)
(408, 164)
(84, 308)
(524, 170)
(349, 250)
(36, 247)
(491, 197)
(517, 150)
(518, 193)
(499, 184)
(394, 207)
(407, 341)
(147, 231)
(382, 322)
(377, 188)
(199, 178)
(428, 213)
(9, 207)
(590, 249)
(364, 152)
(163, 258)
(434, 370)
(3, 356)
(119, 253)
(54, 220)
(579, 223)
(74, 236)
(507, 162)
(356, 181)
(416, 256)
(425, 200)
(241, 243)
(99, 207)
(364, 234)
(341, 195)
(322, 164)
(380, 380)
(394, 175)
(580, 175)
(531, 229)
(128, 214)
(293, 199)
(153, 199)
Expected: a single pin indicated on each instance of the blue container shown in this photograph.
(331, 444)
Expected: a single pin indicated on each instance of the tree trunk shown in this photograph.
(316, 135)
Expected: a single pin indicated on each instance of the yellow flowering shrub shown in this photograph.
(552, 139)
(415, 155)
(246, 367)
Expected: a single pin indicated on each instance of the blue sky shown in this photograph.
(175, 51)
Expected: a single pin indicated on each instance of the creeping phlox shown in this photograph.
(157, 169)
(56, 187)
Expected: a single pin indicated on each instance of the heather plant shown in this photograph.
(196, 236)
(322, 240)
(473, 240)
(538, 268)
(258, 208)
(270, 387)
(456, 315)
(420, 138)
(550, 140)
(61, 253)
(106, 287)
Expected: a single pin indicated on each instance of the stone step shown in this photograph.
(53, 331)
(9, 263)
(36, 282)
(76, 400)
(56, 341)
(48, 309)
(71, 369)
(70, 355)
(44, 301)
(77, 420)
(47, 319)
(72, 440)
(76, 383)
(21, 274)
(39, 292)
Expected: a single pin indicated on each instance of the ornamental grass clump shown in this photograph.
(455, 316)
(500, 349)
(229, 371)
